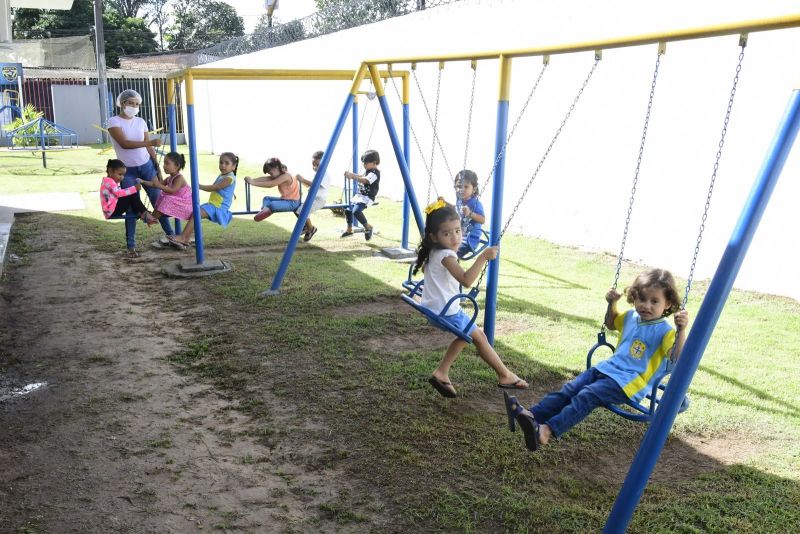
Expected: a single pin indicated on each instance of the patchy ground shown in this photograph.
(118, 440)
(136, 431)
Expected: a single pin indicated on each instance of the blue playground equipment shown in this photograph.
(415, 288)
(41, 135)
(642, 412)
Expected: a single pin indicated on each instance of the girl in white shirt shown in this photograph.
(436, 255)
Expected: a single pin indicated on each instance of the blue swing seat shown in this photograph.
(483, 242)
(631, 410)
(438, 319)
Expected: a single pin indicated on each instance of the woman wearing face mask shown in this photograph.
(131, 144)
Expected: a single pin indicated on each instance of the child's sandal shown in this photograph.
(530, 428)
(513, 408)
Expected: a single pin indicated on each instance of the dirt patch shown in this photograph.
(118, 440)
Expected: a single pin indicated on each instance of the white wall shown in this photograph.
(580, 196)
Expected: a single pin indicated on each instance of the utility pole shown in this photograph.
(100, 49)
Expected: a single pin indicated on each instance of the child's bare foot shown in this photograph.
(544, 434)
(173, 240)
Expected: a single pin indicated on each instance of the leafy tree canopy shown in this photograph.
(122, 35)
(200, 24)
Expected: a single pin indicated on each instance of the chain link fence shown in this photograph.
(339, 16)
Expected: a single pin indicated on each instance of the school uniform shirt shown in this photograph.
(642, 353)
(367, 192)
(440, 286)
(472, 229)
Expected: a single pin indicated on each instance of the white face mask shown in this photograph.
(130, 111)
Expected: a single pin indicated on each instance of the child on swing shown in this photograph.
(322, 195)
(368, 186)
(646, 343)
(471, 211)
(115, 200)
(276, 175)
(436, 255)
(218, 207)
(175, 199)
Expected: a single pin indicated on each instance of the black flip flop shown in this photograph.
(513, 385)
(442, 388)
(310, 234)
(530, 428)
(512, 409)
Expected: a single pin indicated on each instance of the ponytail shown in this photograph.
(423, 253)
(438, 212)
(177, 158)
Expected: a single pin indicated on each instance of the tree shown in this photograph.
(342, 14)
(123, 35)
(200, 24)
(126, 36)
(127, 8)
(159, 15)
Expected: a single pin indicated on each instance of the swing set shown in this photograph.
(674, 395)
(673, 400)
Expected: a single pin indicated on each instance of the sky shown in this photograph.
(287, 10)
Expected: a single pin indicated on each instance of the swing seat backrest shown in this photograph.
(477, 249)
(631, 410)
(438, 319)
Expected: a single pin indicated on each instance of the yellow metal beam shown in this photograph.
(189, 88)
(732, 28)
(505, 79)
(275, 74)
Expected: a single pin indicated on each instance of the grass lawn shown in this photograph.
(362, 359)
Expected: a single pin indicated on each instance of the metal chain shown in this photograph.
(459, 203)
(414, 135)
(435, 125)
(436, 139)
(621, 254)
(513, 128)
(742, 44)
(469, 114)
(541, 162)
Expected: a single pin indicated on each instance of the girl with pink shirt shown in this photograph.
(115, 200)
(176, 195)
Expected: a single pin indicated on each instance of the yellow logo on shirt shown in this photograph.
(638, 348)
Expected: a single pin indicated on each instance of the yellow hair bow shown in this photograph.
(438, 204)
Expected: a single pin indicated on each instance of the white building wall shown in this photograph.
(580, 196)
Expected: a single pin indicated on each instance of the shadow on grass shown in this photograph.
(512, 304)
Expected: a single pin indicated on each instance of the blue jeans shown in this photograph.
(146, 171)
(566, 408)
(277, 204)
(357, 211)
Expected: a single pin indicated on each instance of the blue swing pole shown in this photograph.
(349, 184)
(398, 150)
(352, 185)
(407, 156)
(710, 310)
(312, 191)
(501, 132)
(173, 135)
(194, 170)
